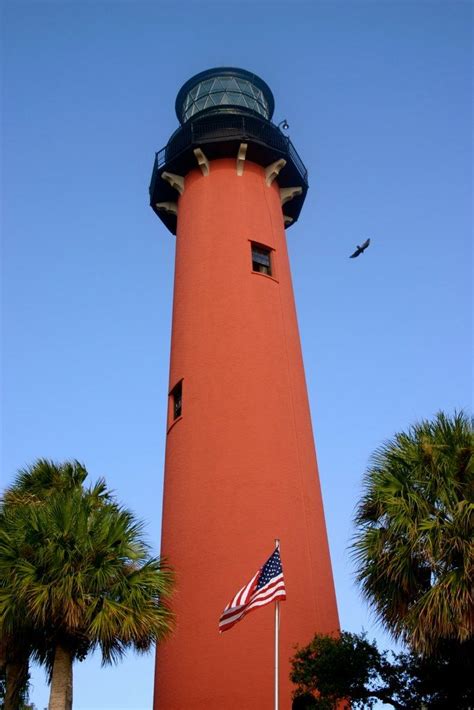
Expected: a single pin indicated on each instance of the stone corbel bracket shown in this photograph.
(287, 193)
(241, 158)
(168, 207)
(176, 181)
(272, 171)
(202, 161)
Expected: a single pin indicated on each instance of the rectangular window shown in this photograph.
(177, 401)
(261, 259)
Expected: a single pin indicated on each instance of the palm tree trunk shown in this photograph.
(14, 663)
(16, 677)
(60, 697)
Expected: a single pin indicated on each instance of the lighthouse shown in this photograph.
(240, 463)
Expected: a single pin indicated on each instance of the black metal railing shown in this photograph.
(225, 127)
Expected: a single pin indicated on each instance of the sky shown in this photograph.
(378, 99)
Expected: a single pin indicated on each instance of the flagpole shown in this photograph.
(277, 633)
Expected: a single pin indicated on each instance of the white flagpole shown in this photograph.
(277, 630)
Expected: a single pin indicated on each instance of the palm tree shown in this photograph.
(76, 564)
(413, 544)
(18, 639)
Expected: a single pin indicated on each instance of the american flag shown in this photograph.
(266, 586)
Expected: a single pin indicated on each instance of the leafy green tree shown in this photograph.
(330, 670)
(413, 545)
(75, 567)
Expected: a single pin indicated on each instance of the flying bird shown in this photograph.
(360, 249)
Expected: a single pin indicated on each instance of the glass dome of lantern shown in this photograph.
(224, 88)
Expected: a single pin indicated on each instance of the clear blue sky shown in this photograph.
(377, 95)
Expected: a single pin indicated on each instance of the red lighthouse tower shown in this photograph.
(240, 465)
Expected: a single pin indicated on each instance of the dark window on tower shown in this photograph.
(177, 401)
(261, 259)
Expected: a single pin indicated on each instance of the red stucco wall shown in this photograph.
(240, 463)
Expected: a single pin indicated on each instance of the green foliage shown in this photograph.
(331, 670)
(335, 667)
(75, 570)
(413, 546)
(44, 478)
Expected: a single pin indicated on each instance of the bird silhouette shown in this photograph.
(360, 249)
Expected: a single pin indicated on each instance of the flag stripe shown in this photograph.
(242, 594)
(262, 593)
(266, 599)
(267, 591)
(224, 626)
